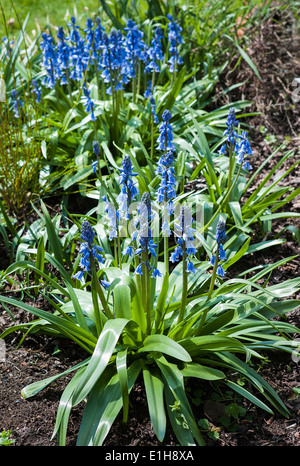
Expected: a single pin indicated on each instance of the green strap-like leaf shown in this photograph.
(35, 387)
(121, 364)
(104, 404)
(155, 398)
(165, 345)
(180, 429)
(210, 343)
(64, 326)
(202, 372)
(246, 394)
(174, 380)
(104, 348)
(256, 380)
(64, 409)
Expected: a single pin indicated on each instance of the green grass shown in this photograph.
(43, 13)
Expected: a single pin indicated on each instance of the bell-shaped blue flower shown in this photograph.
(129, 190)
(220, 239)
(175, 39)
(88, 250)
(165, 139)
(184, 232)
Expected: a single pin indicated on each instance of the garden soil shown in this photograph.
(275, 51)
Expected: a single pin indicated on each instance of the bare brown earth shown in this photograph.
(275, 51)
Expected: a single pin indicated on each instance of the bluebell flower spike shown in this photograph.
(240, 143)
(88, 102)
(88, 250)
(220, 239)
(96, 150)
(184, 232)
(113, 218)
(129, 190)
(155, 53)
(165, 138)
(175, 39)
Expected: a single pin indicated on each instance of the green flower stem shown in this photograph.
(152, 138)
(184, 284)
(166, 238)
(139, 72)
(224, 201)
(138, 277)
(148, 309)
(98, 321)
(214, 274)
(146, 289)
(119, 250)
(152, 119)
(99, 290)
(230, 171)
(210, 291)
(115, 251)
(98, 81)
(69, 87)
(166, 254)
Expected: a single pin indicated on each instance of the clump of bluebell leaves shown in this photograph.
(164, 333)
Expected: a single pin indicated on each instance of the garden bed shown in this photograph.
(275, 51)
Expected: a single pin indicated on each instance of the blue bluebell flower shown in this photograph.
(96, 150)
(149, 95)
(17, 103)
(220, 239)
(90, 43)
(129, 190)
(243, 150)
(230, 132)
(60, 33)
(153, 109)
(8, 46)
(145, 239)
(135, 47)
(113, 62)
(74, 33)
(63, 55)
(129, 250)
(231, 123)
(220, 232)
(165, 139)
(88, 250)
(87, 232)
(79, 56)
(220, 271)
(155, 52)
(184, 233)
(239, 144)
(105, 283)
(175, 39)
(94, 165)
(37, 90)
(99, 31)
(113, 218)
(167, 189)
(49, 61)
(139, 269)
(88, 102)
